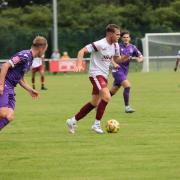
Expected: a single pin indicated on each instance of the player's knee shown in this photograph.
(107, 98)
(10, 117)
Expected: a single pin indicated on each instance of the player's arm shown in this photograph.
(114, 64)
(177, 63)
(139, 59)
(120, 58)
(28, 88)
(4, 70)
(80, 57)
(137, 55)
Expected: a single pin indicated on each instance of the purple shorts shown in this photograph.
(119, 77)
(8, 97)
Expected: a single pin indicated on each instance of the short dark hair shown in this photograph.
(112, 27)
(125, 32)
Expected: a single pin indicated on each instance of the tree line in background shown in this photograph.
(82, 21)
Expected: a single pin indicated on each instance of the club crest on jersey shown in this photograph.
(15, 59)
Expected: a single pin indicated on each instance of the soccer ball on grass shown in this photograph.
(112, 126)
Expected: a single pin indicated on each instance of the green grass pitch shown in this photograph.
(37, 145)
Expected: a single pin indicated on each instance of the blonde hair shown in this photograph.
(39, 41)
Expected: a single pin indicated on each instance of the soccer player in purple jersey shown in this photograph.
(120, 70)
(12, 73)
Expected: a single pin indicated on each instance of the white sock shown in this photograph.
(73, 119)
(97, 122)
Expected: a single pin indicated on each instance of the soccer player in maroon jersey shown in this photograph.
(102, 52)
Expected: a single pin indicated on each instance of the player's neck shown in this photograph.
(126, 44)
(108, 39)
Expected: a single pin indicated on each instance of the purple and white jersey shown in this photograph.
(20, 64)
(130, 50)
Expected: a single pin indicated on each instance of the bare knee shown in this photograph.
(10, 117)
(107, 98)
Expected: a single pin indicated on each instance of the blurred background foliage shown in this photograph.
(81, 21)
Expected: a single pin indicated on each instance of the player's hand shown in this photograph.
(79, 68)
(34, 94)
(175, 69)
(124, 58)
(115, 65)
(1, 89)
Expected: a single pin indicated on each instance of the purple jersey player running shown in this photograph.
(12, 73)
(120, 70)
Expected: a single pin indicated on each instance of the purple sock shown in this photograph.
(126, 96)
(3, 123)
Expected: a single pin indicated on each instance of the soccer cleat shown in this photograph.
(71, 125)
(128, 109)
(97, 128)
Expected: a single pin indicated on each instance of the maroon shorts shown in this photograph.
(38, 69)
(98, 82)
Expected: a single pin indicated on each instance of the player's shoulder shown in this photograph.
(101, 41)
(133, 46)
(23, 54)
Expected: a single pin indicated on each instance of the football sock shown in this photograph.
(84, 111)
(126, 96)
(3, 123)
(100, 109)
(97, 122)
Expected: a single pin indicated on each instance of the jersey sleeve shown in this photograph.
(136, 52)
(17, 59)
(93, 47)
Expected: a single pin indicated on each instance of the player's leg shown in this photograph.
(85, 109)
(6, 116)
(127, 86)
(41, 71)
(34, 70)
(105, 97)
(118, 78)
(7, 105)
(82, 113)
(114, 89)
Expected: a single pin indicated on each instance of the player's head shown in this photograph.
(113, 32)
(126, 37)
(39, 45)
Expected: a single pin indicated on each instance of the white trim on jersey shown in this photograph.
(97, 82)
(11, 63)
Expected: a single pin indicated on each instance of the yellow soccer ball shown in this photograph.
(112, 126)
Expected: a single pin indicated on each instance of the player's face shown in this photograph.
(116, 35)
(126, 38)
(42, 51)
